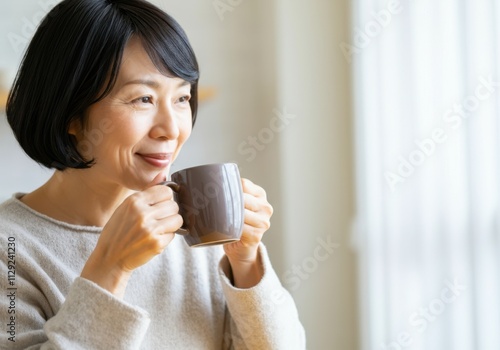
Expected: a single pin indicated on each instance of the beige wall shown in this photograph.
(264, 56)
(317, 158)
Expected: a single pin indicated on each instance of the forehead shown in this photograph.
(137, 65)
(136, 61)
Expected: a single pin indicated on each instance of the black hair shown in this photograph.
(73, 61)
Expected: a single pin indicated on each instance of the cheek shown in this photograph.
(128, 129)
(108, 138)
(185, 131)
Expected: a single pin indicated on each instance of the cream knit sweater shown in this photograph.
(182, 299)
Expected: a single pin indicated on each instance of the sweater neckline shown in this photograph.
(89, 229)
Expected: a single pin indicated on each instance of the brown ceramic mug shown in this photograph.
(210, 199)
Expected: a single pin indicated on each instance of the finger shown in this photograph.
(251, 235)
(251, 202)
(257, 220)
(258, 205)
(157, 194)
(163, 210)
(168, 225)
(251, 188)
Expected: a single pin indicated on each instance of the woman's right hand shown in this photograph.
(140, 228)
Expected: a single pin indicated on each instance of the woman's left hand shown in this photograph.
(243, 254)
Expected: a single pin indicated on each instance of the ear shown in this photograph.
(74, 127)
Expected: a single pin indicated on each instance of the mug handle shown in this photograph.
(176, 188)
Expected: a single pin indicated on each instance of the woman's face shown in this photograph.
(137, 131)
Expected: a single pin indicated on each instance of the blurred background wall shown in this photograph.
(282, 112)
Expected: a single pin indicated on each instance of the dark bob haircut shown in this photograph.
(73, 62)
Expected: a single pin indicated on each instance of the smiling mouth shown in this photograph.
(158, 160)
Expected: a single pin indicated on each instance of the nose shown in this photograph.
(165, 125)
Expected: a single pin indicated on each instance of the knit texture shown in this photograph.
(181, 299)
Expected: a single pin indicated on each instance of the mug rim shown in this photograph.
(205, 165)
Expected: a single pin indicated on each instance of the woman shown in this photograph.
(107, 95)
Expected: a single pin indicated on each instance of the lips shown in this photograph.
(159, 160)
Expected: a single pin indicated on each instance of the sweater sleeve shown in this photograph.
(89, 318)
(261, 317)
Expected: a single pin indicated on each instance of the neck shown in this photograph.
(71, 196)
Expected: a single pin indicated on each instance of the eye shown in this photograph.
(184, 99)
(143, 99)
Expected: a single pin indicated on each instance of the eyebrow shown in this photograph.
(152, 83)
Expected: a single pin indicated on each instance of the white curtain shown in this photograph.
(427, 111)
